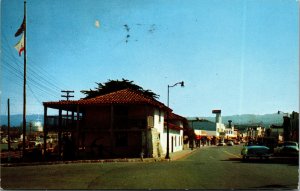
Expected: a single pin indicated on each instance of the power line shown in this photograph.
(32, 68)
(32, 81)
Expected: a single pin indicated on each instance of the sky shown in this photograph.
(235, 55)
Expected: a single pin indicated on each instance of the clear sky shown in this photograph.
(235, 55)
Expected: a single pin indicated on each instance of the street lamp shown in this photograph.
(182, 85)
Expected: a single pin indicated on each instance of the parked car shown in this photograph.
(221, 144)
(230, 143)
(257, 151)
(287, 148)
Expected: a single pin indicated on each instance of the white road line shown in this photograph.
(231, 154)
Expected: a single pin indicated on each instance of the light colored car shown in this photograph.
(230, 143)
(256, 151)
(221, 144)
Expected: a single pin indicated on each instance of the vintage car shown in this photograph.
(221, 144)
(287, 148)
(257, 151)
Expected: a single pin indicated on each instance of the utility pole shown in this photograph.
(68, 94)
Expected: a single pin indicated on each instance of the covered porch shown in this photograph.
(82, 131)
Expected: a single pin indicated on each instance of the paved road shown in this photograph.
(206, 168)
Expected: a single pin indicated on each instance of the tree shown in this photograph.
(116, 85)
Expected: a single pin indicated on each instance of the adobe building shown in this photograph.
(121, 124)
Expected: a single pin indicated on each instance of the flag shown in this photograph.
(20, 46)
(21, 28)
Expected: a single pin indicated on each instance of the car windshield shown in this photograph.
(290, 144)
(254, 143)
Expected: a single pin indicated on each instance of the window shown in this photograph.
(150, 121)
(159, 117)
(121, 117)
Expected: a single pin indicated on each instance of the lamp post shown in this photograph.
(182, 85)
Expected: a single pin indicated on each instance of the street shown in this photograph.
(206, 168)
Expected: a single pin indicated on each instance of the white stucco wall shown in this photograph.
(177, 135)
(220, 127)
(159, 125)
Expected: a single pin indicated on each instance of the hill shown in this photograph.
(247, 119)
(16, 120)
(264, 120)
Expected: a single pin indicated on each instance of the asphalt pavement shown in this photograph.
(202, 168)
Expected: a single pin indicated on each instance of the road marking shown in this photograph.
(231, 154)
(212, 157)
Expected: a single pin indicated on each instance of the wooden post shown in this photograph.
(77, 129)
(45, 132)
(59, 133)
(73, 126)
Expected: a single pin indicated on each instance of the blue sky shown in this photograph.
(235, 55)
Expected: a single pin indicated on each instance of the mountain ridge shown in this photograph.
(264, 120)
(245, 119)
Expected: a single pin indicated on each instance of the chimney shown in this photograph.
(218, 115)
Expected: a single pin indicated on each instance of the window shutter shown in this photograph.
(150, 121)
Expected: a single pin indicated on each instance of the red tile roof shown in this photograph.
(174, 116)
(172, 126)
(125, 96)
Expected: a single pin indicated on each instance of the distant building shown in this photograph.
(250, 132)
(289, 130)
(207, 131)
(276, 132)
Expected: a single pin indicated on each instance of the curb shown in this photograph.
(144, 160)
(183, 155)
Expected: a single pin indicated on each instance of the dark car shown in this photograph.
(257, 151)
(287, 148)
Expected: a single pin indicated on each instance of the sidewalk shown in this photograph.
(173, 156)
(181, 154)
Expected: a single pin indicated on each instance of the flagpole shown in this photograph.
(24, 87)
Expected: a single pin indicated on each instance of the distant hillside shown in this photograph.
(265, 120)
(246, 119)
(16, 120)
